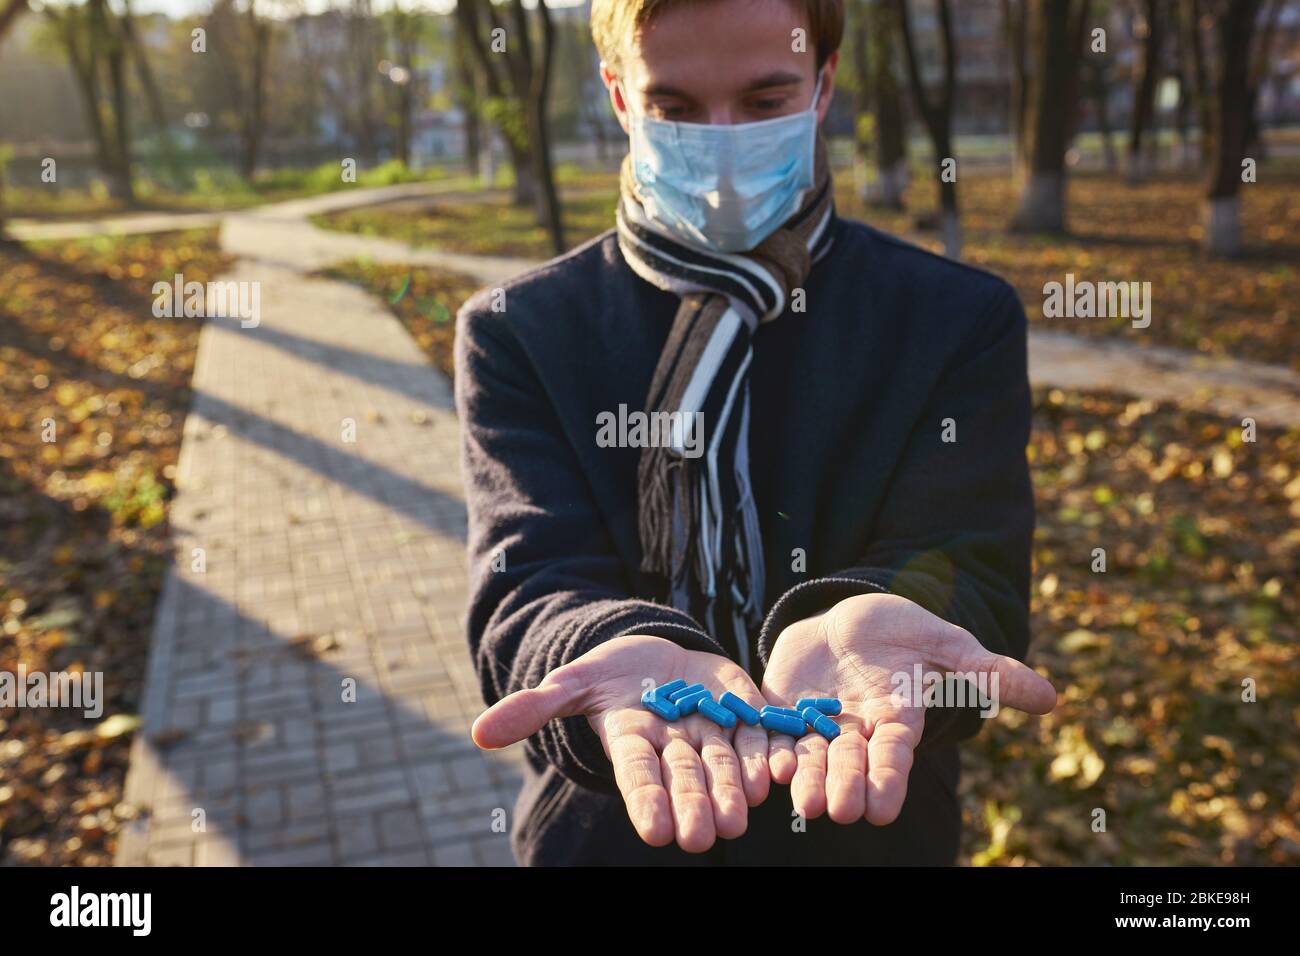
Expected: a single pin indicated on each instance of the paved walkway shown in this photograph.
(1233, 388)
(34, 230)
(271, 235)
(331, 562)
(327, 561)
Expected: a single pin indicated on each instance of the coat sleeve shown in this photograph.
(545, 583)
(955, 531)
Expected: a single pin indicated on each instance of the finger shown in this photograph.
(846, 777)
(1010, 683)
(781, 760)
(722, 775)
(808, 788)
(750, 743)
(687, 792)
(1020, 686)
(519, 715)
(637, 773)
(889, 760)
(751, 748)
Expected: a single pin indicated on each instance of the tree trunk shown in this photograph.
(1183, 120)
(1191, 25)
(937, 116)
(1186, 99)
(862, 140)
(949, 215)
(1101, 103)
(887, 108)
(1259, 67)
(91, 39)
(1234, 24)
(254, 122)
(144, 74)
(8, 15)
(498, 81)
(364, 60)
(548, 207)
(1015, 23)
(406, 47)
(467, 99)
(1057, 54)
(519, 85)
(521, 160)
(85, 68)
(1042, 203)
(1074, 83)
(1144, 90)
(120, 184)
(546, 201)
(241, 52)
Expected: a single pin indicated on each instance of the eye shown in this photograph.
(771, 104)
(669, 110)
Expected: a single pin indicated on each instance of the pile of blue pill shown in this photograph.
(680, 699)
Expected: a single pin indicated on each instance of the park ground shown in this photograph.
(1199, 526)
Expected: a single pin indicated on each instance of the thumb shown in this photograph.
(518, 716)
(1018, 685)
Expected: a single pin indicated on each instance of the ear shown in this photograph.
(615, 88)
(828, 85)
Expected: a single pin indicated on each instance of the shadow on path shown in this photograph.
(250, 726)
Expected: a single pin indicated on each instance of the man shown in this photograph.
(836, 495)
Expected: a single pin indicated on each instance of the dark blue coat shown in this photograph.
(848, 463)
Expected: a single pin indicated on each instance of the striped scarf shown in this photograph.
(698, 522)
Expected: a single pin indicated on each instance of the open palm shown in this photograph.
(853, 652)
(689, 780)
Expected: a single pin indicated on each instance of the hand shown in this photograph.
(852, 652)
(689, 779)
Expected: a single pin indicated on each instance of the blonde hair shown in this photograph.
(613, 21)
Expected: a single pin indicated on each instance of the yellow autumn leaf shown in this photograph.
(1076, 759)
(1222, 463)
(117, 725)
(97, 482)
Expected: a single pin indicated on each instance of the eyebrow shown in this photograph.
(766, 82)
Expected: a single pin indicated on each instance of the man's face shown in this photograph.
(720, 62)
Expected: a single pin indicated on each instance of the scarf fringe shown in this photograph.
(658, 509)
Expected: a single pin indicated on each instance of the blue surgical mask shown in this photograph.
(725, 188)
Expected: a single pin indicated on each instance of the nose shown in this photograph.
(721, 114)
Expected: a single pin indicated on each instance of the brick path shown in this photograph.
(325, 560)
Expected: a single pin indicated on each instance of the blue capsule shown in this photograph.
(691, 702)
(830, 706)
(787, 711)
(682, 691)
(782, 723)
(821, 723)
(739, 707)
(667, 690)
(657, 705)
(720, 715)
